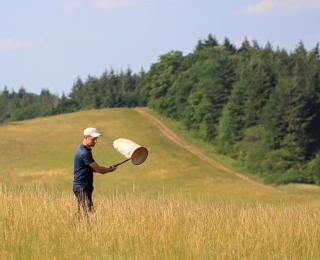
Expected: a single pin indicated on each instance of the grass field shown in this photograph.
(38, 223)
(173, 206)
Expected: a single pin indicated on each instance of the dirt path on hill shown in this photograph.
(179, 141)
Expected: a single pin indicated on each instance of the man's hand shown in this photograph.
(113, 167)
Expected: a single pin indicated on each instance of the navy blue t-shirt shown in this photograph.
(83, 173)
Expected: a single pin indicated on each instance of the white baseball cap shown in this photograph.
(91, 131)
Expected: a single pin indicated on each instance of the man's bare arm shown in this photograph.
(101, 169)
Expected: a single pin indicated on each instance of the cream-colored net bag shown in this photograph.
(132, 151)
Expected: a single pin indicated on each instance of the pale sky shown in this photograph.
(48, 44)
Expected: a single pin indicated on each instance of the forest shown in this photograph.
(258, 105)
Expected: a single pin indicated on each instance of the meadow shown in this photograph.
(173, 206)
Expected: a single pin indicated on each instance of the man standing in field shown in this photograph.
(84, 166)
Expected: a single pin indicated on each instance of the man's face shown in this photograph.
(91, 141)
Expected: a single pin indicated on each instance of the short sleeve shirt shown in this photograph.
(83, 173)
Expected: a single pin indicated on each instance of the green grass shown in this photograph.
(42, 150)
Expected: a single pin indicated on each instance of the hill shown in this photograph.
(41, 150)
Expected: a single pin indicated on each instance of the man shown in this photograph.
(84, 166)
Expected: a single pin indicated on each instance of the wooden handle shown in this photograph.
(122, 162)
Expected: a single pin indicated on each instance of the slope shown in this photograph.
(41, 150)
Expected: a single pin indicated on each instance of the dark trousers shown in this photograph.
(84, 197)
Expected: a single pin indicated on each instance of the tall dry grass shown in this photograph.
(38, 222)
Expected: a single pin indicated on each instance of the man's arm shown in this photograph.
(101, 169)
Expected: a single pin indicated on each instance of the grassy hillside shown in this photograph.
(173, 206)
(42, 150)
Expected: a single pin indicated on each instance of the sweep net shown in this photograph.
(131, 150)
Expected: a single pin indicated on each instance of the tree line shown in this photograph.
(259, 105)
(21, 105)
(110, 90)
